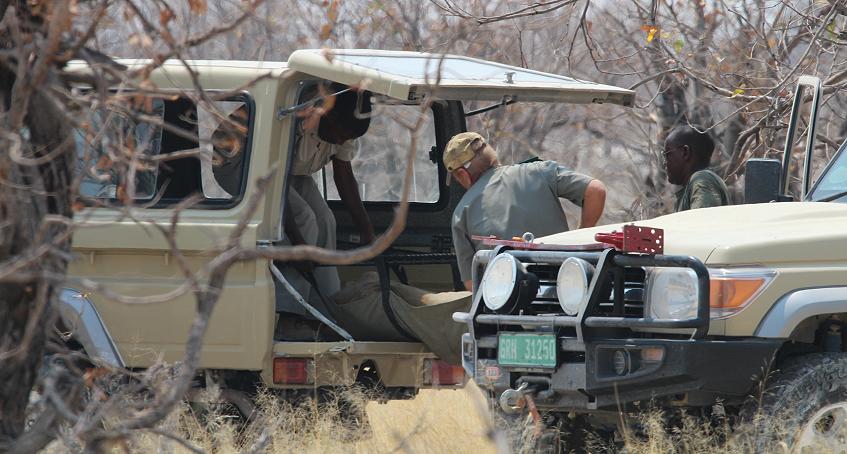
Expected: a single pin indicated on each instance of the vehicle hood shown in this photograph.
(744, 234)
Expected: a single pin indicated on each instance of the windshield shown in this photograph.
(832, 185)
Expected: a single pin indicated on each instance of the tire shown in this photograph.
(804, 407)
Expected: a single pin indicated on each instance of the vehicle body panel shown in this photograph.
(400, 364)
(133, 258)
(805, 242)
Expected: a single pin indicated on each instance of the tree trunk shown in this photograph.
(30, 192)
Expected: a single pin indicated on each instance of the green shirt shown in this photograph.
(704, 189)
(508, 201)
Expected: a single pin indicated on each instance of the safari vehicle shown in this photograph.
(244, 347)
(724, 312)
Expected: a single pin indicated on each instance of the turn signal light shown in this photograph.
(727, 296)
(293, 371)
(440, 373)
(731, 289)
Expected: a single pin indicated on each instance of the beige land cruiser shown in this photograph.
(248, 343)
(735, 314)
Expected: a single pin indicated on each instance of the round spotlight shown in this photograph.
(572, 284)
(506, 285)
(620, 362)
(500, 281)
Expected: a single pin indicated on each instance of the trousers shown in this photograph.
(316, 224)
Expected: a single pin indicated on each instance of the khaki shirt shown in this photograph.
(312, 153)
(704, 189)
(508, 201)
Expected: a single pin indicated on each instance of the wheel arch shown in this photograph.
(798, 314)
(81, 318)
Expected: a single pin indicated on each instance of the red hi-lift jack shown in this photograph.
(632, 239)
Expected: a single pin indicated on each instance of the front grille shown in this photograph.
(622, 292)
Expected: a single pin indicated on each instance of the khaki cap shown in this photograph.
(461, 149)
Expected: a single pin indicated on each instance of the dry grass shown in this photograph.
(446, 421)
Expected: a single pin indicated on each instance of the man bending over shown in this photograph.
(507, 201)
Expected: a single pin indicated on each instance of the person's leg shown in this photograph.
(308, 189)
(326, 276)
(304, 218)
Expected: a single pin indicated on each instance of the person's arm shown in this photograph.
(592, 204)
(464, 251)
(582, 190)
(348, 189)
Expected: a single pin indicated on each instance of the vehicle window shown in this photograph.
(223, 136)
(834, 180)
(107, 134)
(213, 138)
(382, 157)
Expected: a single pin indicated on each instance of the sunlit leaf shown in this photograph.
(93, 374)
(651, 34)
(830, 27)
(165, 16)
(104, 163)
(332, 12)
(197, 6)
(326, 30)
(121, 194)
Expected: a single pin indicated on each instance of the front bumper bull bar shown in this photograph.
(585, 385)
(603, 261)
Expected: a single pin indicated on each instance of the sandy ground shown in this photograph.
(436, 421)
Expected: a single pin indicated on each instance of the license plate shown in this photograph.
(524, 349)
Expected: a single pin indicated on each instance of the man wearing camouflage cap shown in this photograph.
(506, 201)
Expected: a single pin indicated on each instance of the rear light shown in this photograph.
(440, 373)
(293, 371)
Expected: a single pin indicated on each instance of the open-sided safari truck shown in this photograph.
(248, 343)
(735, 314)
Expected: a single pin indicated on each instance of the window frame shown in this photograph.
(204, 203)
(812, 195)
(443, 189)
(436, 150)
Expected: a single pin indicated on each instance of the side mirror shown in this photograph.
(761, 181)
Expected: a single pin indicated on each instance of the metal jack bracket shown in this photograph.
(512, 401)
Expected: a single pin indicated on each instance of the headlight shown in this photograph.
(572, 284)
(671, 293)
(506, 283)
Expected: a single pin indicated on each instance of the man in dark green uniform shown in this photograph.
(507, 201)
(687, 154)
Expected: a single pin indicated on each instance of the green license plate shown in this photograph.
(524, 349)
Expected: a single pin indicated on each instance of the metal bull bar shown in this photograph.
(604, 261)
